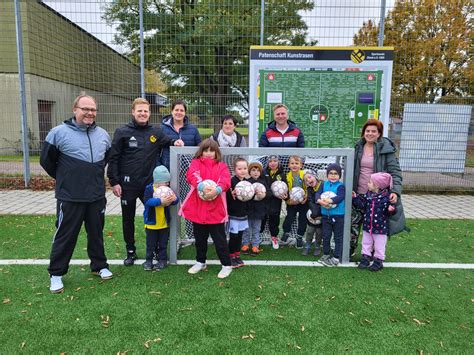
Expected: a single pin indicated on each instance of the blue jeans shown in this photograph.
(252, 233)
(157, 239)
(333, 224)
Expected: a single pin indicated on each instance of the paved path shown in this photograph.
(416, 206)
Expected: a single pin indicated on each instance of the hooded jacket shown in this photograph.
(272, 137)
(385, 160)
(133, 155)
(189, 134)
(76, 155)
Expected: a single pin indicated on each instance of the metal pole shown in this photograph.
(382, 23)
(142, 51)
(21, 75)
(262, 20)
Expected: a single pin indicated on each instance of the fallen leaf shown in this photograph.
(280, 316)
(23, 343)
(105, 321)
(258, 298)
(418, 322)
(302, 327)
(6, 301)
(298, 347)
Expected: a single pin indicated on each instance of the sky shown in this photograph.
(331, 22)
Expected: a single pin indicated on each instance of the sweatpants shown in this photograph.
(252, 234)
(157, 239)
(70, 216)
(291, 211)
(128, 202)
(333, 224)
(374, 243)
(217, 232)
(314, 231)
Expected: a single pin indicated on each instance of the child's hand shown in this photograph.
(210, 192)
(284, 196)
(261, 195)
(166, 201)
(234, 194)
(391, 209)
(354, 195)
(291, 202)
(304, 201)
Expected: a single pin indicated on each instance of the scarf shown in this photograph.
(226, 141)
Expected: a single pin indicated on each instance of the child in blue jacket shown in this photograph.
(377, 208)
(331, 198)
(157, 218)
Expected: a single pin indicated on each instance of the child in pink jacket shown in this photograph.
(205, 205)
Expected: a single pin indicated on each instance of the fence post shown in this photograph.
(382, 23)
(142, 50)
(21, 75)
(262, 21)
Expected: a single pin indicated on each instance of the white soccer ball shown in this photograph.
(329, 194)
(259, 188)
(279, 189)
(312, 220)
(162, 192)
(297, 194)
(207, 183)
(244, 191)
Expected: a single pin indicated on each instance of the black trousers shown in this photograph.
(291, 211)
(217, 232)
(70, 216)
(333, 224)
(129, 207)
(273, 224)
(157, 239)
(235, 242)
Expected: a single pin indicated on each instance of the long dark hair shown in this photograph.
(209, 144)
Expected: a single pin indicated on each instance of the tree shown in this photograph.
(200, 47)
(432, 41)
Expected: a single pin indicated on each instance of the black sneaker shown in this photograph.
(377, 265)
(364, 262)
(234, 263)
(148, 265)
(161, 264)
(239, 261)
(130, 259)
(299, 242)
(284, 238)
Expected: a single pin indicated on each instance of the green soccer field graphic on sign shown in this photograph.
(330, 107)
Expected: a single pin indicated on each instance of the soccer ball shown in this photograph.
(279, 189)
(162, 192)
(207, 183)
(329, 194)
(244, 191)
(258, 187)
(315, 221)
(297, 194)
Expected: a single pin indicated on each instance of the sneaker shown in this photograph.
(57, 285)
(148, 265)
(377, 265)
(364, 262)
(317, 250)
(325, 260)
(196, 268)
(104, 273)
(245, 249)
(334, 261)
(161, 264)
(130, 259)
(299, 242)
(239, 261)
(234, 263)
(284, 238)
(225, 271)
(306, 249)
(255, 251)
(275, 244)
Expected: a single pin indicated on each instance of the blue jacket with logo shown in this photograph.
(133, 155)
(339, 189)
(76, 155)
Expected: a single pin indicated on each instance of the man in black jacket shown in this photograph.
(132, 160)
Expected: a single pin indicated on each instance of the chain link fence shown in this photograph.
(198, 51)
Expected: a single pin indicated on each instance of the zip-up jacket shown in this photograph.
(149, 212)
(376, 214)
(189, 134)
(258, 209)
(339, 189)
(76, 155)
(289, 181)
(133, 155)
(272, 137)
(273, 203)
(313, 206)
(235, 208)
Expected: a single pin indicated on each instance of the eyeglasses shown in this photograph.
(87, 109)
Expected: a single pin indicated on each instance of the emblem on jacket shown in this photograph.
(132, 143)
(152, 139)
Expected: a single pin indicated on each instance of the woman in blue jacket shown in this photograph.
(177, 126)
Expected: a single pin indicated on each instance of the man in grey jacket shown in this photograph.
(75, 154)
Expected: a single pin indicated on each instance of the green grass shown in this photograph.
(259, 309)
(429, 241)
(33, 158)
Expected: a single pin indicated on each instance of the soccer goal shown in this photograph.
(316, 159)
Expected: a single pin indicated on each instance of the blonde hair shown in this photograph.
(297, 158)
(140, 101)
(277, 106)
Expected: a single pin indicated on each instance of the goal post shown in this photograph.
(316, 159)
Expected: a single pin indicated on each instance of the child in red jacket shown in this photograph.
(205, 205)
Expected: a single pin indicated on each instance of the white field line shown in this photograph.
(253, 263)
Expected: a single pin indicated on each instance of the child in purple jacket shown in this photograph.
(376, 206)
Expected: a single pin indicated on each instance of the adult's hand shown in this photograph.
(179, 143)
(117, 190)
(393, 198)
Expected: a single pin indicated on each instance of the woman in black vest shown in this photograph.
(228, 136)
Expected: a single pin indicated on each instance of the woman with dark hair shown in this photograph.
(227, 136)
(373, 154)
(177, 126)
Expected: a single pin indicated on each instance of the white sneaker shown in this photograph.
(275, 243)
(196, 268)
(104, 274)
(225, 271)
(57, 285)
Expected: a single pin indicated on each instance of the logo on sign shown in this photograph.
(357, 56)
